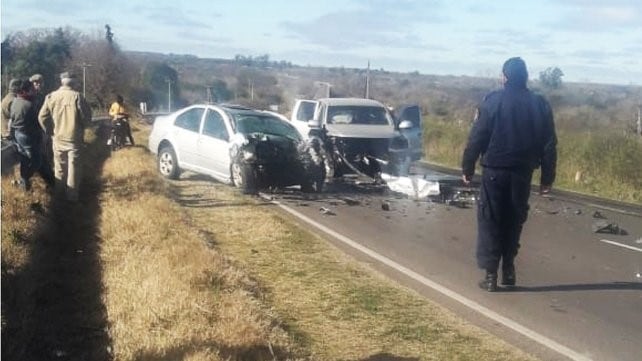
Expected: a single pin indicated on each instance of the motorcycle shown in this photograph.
(118, 134)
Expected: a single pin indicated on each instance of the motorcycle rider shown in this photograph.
(118, 112)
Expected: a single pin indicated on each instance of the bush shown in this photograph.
(603, 164)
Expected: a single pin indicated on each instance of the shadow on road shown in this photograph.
(52, 308)
(389, 357)
(579, 287)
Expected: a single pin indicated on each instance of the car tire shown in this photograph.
(315, 180)
(243, 177)
(168, 163)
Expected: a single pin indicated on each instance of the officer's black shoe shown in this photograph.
(489, 283)
(508, 275)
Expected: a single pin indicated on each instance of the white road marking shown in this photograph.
(621, 245)
(533, 335)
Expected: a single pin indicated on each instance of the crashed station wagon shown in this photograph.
(361, 135)
(248, 148)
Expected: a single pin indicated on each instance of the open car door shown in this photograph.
(303, 112)
(412, 114)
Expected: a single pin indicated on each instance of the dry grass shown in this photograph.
(192, 270)
(335, 307)
(167, 295)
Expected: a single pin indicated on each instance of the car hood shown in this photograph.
(360, 131)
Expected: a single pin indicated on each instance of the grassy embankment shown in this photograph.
(142, 269)
(609, 164)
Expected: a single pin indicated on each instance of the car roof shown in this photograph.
(363, 102)
(233, 108)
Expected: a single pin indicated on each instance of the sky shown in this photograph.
(589, 40)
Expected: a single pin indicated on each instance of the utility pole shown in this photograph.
(210, 97)
(368, 81)
(84, 78)
(169, 94)
(639, 121)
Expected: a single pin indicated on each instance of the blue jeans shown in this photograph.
(29, 150)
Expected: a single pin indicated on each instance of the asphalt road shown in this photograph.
(579, 293)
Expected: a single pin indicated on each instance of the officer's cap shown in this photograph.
(36, 78)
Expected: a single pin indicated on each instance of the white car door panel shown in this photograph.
(213, 145)
(186, 133)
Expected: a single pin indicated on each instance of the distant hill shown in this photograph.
(262, 83)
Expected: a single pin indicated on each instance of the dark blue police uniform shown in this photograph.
(514, 133)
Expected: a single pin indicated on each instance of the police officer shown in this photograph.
(64, 115)
(514, 133)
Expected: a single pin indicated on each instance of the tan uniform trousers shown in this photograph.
(67, 169)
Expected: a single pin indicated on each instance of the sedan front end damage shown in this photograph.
(263, 161)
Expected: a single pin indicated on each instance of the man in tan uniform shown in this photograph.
(64, 115)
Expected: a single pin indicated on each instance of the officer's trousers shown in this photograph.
(67, 169)
(501, 213)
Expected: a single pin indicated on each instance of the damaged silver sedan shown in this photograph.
(248, 148)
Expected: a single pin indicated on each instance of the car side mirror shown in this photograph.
(405, 124)
(314, 123)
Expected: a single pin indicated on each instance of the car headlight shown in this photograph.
(248, 155)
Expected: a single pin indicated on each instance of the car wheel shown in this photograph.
(243, 177)
(315, 181)
(168, 163)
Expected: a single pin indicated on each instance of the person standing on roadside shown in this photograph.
(38, 82)
(28, 137)
(64, 115)
(14, 87)
(514, 133)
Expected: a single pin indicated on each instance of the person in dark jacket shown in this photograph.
(514, 133)
(28, 137)
(38, 82)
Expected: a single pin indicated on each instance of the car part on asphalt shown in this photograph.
(606, 227)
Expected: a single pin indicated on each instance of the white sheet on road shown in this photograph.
(415, 187)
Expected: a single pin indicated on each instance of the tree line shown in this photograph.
(97, 61)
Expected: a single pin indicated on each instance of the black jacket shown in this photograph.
(513, 129)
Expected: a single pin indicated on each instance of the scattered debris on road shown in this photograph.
(351, 201)
(326, 211)
(598, 215)
(414, 186)
(606, 227)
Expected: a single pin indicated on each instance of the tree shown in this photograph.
(109, 36)
(156, 77)
(220, 91)
(551, 77)
(46, 52)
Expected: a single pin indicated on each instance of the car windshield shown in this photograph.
(347, 114)
(266, 124)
